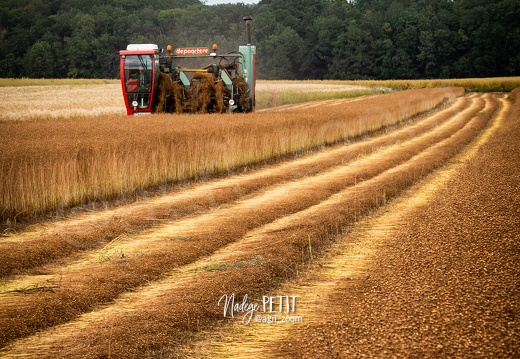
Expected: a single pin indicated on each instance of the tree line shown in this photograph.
(295, 39)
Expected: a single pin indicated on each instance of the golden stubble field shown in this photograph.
(297, 213)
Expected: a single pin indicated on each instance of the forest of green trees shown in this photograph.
(295, 39)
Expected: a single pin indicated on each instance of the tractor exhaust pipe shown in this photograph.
(248, 19)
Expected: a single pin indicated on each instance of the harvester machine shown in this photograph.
(188, 79)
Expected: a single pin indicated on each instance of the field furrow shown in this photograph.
(260, 229)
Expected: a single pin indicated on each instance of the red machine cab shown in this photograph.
(139, 71)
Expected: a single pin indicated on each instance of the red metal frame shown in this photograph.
(131, 110)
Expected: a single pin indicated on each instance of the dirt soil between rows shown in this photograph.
(404, 244)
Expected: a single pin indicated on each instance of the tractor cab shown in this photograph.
(139, 71)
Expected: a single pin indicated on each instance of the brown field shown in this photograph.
(392, 218)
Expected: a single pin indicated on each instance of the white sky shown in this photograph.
(216, 2)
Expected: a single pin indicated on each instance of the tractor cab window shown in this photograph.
(138, 73)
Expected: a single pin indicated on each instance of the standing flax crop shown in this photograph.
(53, 164)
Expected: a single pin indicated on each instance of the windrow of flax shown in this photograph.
(48, 165)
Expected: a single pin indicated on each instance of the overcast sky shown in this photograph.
(215, 2)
